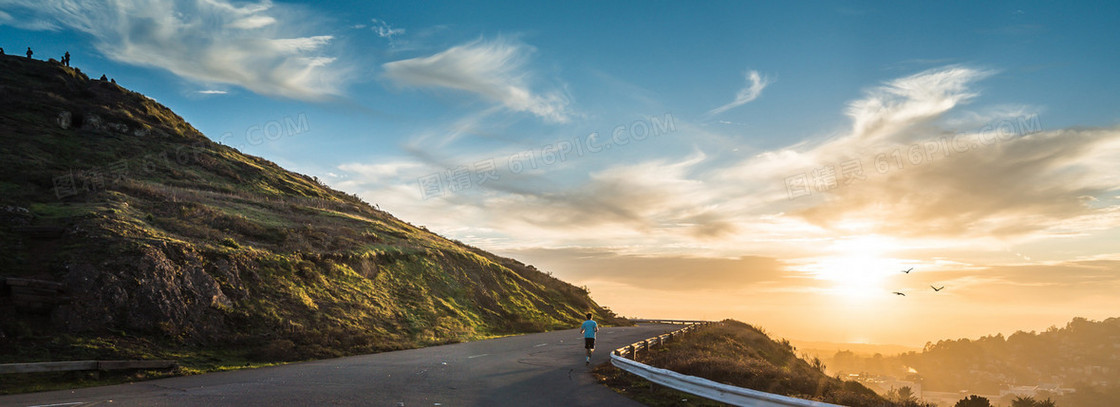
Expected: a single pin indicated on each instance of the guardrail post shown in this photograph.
(696, 385)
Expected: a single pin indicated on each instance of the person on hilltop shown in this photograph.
(588, 329)
(66, 58)
(29, 52)
(1, 50)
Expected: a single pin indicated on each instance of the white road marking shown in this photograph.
(478, 356)
(543, 344)
(60, 404)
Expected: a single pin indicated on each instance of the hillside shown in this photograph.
(166, 244)
(1083, 355)
(738, 354)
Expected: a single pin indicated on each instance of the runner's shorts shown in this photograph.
(589, 343)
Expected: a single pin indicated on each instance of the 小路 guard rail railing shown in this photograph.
(625, 358)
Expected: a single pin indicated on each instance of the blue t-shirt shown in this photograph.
(589, 328)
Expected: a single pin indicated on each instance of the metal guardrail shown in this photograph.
(645, 345)
(698, 386)
(671, 321)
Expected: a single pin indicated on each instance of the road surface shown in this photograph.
(544, 369)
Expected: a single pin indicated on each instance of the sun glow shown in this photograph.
(857, 267)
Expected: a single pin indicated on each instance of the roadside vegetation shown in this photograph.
(739, 354)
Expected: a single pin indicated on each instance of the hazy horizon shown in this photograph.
(780, 164)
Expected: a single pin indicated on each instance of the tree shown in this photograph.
(902, 395)
(974, 401)
(1031, 402)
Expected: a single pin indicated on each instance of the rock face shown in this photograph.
(64, 120)
(92, 122)
(16, 216)
(144, 291)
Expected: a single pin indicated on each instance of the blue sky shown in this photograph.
(745, 98)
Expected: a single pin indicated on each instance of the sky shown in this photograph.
(774, 162)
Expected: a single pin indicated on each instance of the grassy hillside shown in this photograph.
(170, 245)
(738, 354)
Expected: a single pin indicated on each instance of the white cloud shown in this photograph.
(911, 100)
(1027, 184)
(384, 30)
(932, 174)
(25, 22)
(251, 22)
(381, 172)
(212, 92)
(651, 197)
(755, 84)
(493, 70)
(212, 41)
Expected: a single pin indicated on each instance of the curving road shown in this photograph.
(544, 369)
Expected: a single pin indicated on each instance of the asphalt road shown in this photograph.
(545, 369)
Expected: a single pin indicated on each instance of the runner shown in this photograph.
(588, 329)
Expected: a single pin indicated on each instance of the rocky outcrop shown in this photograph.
(150, 289)
(93, 122)
(64, 120)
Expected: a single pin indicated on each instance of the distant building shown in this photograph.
(1040, 390)
(884, 384)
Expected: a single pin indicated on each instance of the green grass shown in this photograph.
(184, 248)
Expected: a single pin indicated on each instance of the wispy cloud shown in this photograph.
(1066, 281)
(1019, 186)
(665, 273)
(212, 92)
(931, 171)
(494, 70)
(384, 30)
(755, 84)
(653, 198)
(383, 172)
(25, 22)
(253, 22)
(887, 109)
(251, 45)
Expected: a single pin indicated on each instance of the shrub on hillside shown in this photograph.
(738, 354)
(276, 350)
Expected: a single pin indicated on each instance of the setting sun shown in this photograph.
(857, 267)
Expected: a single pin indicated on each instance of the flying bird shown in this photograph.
(899, 293)
(907, 271)
(937, 288)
